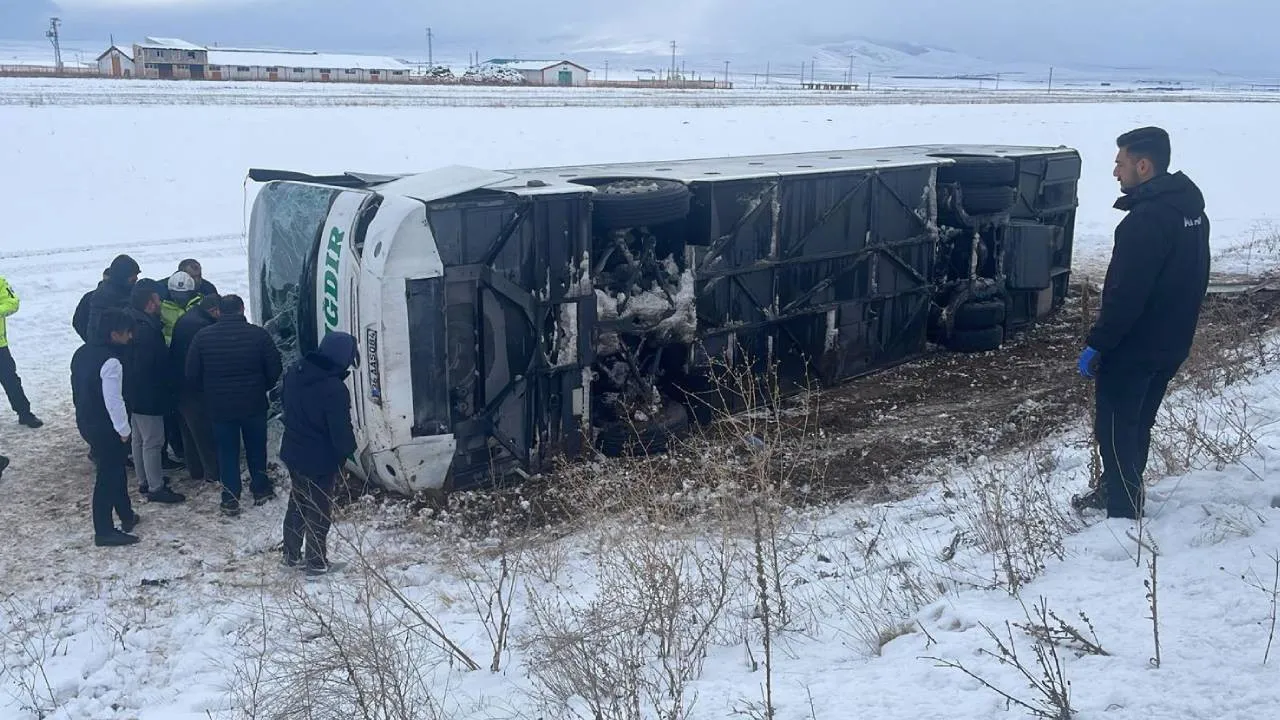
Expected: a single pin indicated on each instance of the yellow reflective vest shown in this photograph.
(8, 306)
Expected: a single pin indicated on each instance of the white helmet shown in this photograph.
(180, 282)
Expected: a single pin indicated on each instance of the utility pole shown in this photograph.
(672, 74)
(1050, 79)
(801, 73)
(606, 71)
(868, 80)
(766, 72)
(52, 34)
(997, 81)
(850, 68)
(726, 74)
(431, 60)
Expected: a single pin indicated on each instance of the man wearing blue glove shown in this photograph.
(1151, 300)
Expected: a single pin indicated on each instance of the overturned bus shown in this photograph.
(507, 318)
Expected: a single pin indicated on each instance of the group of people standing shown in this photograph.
(175, 364)
(149, 376)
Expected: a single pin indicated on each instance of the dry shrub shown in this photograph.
(1046, 678)
(701, 552)
(631, 650)
(875, 580)
(354, 645)
(28, 641)
(1209, 419)
(1013, 510)
(343, 650)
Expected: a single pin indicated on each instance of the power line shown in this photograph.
(52, 34)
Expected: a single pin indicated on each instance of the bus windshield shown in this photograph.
(284, 237)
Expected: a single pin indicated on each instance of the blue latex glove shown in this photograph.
(1088, 362)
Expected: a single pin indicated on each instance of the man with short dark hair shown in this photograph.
(148, 393)
(197, 431)
(96, 391)
(1151, 298)
(192, 267)
(236, 364)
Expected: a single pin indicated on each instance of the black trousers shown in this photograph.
(199, 450)
(12, 383)
(111, 485)
(173, 437)
(1126, 403)
(308, 518)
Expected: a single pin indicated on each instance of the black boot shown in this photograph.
(115, 538)
(131, 523)
(30, 420)
(166, 496)
(4, 463)
(1094, 499)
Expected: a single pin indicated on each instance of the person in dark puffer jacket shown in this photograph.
(197, 431)
(318, 438)
(113, 292)
(149, 393)
(235, 364)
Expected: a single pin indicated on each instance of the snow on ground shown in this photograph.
(175, 173)
(153, 631)
(39, 92)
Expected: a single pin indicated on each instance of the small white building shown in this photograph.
(303, 66)
(116, 62)
(564, 73)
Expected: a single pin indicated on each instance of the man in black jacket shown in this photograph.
(236, 364)
(197, 430)
(192, 267)
(96, 382)
(318, 438)
(113, 292)
(149, 393)
(80, 319)
(1151, 298)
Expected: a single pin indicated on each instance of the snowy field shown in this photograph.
(160, 630)
(37, 92)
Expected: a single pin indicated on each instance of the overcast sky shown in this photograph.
(1229, 35)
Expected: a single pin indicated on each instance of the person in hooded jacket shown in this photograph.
(80, 319)
(197, 430)
(318, 438)
(1151, 300)
(112, 293)
(149, 393)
